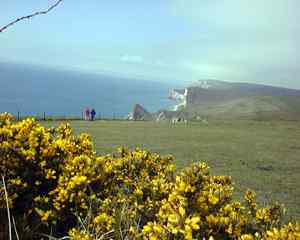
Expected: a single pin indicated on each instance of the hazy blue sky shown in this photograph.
(167, 40)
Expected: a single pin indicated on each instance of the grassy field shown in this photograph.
(263, 156)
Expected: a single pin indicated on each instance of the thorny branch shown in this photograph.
(2, 29)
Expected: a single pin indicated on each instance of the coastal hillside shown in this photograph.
(220, 99)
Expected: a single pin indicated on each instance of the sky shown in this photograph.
(161, 40)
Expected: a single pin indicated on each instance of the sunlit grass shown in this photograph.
(263, 156)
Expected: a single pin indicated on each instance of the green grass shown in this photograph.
(260, 155)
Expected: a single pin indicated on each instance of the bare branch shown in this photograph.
(7, 205)
(16, 231)
(30, 16)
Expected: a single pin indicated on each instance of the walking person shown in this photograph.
(87, 113)
(93, 114)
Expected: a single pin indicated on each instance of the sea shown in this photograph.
(34, 91)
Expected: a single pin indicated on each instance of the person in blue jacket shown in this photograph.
(93, 114)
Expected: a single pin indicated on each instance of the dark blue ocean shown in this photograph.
(33, 90)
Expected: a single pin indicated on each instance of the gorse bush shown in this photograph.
(57, 185)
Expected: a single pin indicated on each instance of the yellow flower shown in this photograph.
(138, 191)
(213, 199)
(181, 211)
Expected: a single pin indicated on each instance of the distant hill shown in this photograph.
(219, 99)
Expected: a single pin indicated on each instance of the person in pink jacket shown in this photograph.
(87, 114)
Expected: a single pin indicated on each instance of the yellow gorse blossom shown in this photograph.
(56, 180)
(290, 232)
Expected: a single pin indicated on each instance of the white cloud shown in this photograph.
(132, 58)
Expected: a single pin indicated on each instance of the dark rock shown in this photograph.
(139, 113)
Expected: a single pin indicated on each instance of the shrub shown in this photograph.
(58, 185)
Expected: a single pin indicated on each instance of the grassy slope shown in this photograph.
(264, 156)
(258, 107)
